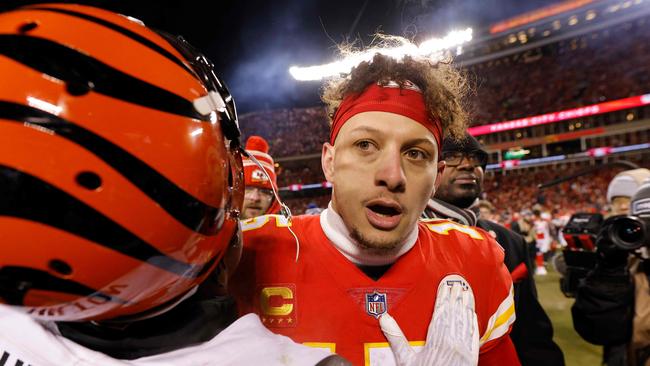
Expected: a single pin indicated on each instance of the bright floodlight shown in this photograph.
(430, 48)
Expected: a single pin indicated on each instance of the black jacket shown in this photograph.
(604, 311)
(532, 332)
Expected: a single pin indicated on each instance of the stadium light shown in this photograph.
(430, 48)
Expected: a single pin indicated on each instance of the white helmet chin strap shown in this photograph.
(284, 209)
(209, 103)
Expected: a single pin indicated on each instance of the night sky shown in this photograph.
(254, 42)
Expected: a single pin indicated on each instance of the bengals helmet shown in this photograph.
(120, 171)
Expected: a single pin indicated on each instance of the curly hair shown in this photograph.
(443, 87)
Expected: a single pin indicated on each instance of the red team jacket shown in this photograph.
(323, 300)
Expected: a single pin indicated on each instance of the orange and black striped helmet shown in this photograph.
(120, 169)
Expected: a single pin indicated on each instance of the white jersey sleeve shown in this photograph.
(24, 341)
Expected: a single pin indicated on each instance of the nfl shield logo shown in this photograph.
(376, 304)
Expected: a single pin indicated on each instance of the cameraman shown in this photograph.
(612, 305)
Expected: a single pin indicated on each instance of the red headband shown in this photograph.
(406, 100)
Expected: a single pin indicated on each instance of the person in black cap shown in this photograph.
(457, 199)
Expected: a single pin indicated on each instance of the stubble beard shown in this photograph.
(374, 247)
(366, 244)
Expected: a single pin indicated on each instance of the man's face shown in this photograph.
(382, 168)
(462, 180)
(485, 213)
(621, 205)
(256, 202)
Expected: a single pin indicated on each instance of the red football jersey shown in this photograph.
(316, 296)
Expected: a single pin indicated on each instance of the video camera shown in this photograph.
(581, 231)
(580, 234)
(625, 232)
(632, 232)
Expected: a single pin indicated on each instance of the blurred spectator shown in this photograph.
(486, 210)
(621, 188)
(259, 198)
(523, 225)
(544, 237)
(313, 209)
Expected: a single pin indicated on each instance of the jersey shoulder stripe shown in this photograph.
(500, 322)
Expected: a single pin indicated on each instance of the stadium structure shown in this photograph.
(556, 90)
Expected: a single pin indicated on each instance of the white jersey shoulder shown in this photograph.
(245, 342)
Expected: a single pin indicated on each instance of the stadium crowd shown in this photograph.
(604, 65)
(516, 191)
(289, 132)
(568, 74)
(300, 172)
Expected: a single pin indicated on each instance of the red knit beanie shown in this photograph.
(253, 175)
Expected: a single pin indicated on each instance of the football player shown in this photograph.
(121, 183)
(329, 280)
(260, 182)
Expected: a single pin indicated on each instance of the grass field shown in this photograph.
(577, 352)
